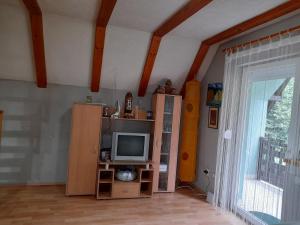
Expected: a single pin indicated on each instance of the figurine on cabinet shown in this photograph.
(169, 89)
(128, 112)
(166, 89)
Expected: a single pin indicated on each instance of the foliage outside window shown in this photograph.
(279, 115)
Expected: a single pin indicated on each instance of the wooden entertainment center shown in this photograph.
(88, 175)
(108, 187)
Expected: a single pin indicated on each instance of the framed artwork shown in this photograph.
(214, 94)
(213, 117)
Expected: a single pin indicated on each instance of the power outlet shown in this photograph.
(206, 172)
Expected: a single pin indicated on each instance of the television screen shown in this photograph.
(129, 145)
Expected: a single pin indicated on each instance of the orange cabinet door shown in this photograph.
(84, 149)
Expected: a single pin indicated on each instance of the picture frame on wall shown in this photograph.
(214, 94)
(213, 117)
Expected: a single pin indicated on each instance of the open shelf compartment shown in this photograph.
(146, 189)
(146, 182)
(146, 175)
(104, 183)
(104, 190)
(105, 175)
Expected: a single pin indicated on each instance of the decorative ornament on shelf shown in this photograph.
(169, 89)
(159, 90)
(89, 99)
(106, 112)
(128, 174)
(118, 110)
(149, 115)
(166, 89)
(128, 112)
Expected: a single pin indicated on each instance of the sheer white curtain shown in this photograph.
(258, 159)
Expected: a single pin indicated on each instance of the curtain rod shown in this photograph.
(234, 48)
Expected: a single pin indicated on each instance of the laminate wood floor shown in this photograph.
(48, 205)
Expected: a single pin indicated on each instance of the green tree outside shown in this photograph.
(279, 116)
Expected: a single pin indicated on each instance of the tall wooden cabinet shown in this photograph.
(167, 112)
(84, 149)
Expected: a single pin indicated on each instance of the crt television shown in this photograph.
(130, 146)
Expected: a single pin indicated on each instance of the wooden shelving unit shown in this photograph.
(167, 110)
(110, 188)
(89, 176)
(104, 183)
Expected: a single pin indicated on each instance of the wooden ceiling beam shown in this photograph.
(105, 12)
(152, 52)
(180, 16)
(200, 56)
(37, 35)
(265, 17)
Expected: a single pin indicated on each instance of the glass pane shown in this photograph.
(262, 172)
(166, 142)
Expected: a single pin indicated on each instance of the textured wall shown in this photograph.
(208, 138)
(36, 130)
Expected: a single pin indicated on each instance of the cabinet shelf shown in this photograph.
(105, 181)
(104, 190)
(104, 195)
(128, 119)
(145, 195)
(124, 162)
(146, 180)
(127, 182)
(162, 190)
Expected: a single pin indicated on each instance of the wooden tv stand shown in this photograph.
(85, 143)
(110, 188)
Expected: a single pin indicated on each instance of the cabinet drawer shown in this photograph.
(125, 190)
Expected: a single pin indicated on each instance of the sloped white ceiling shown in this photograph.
(69, 39)
(68, 49)
(80, 9)
(173, 61)
(124, 57)
(220, 15)
(144, 15)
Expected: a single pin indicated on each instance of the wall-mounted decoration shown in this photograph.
(214, 94)
(213, 117)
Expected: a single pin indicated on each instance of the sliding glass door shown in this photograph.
(268, 136)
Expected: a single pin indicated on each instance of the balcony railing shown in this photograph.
(271, 165)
